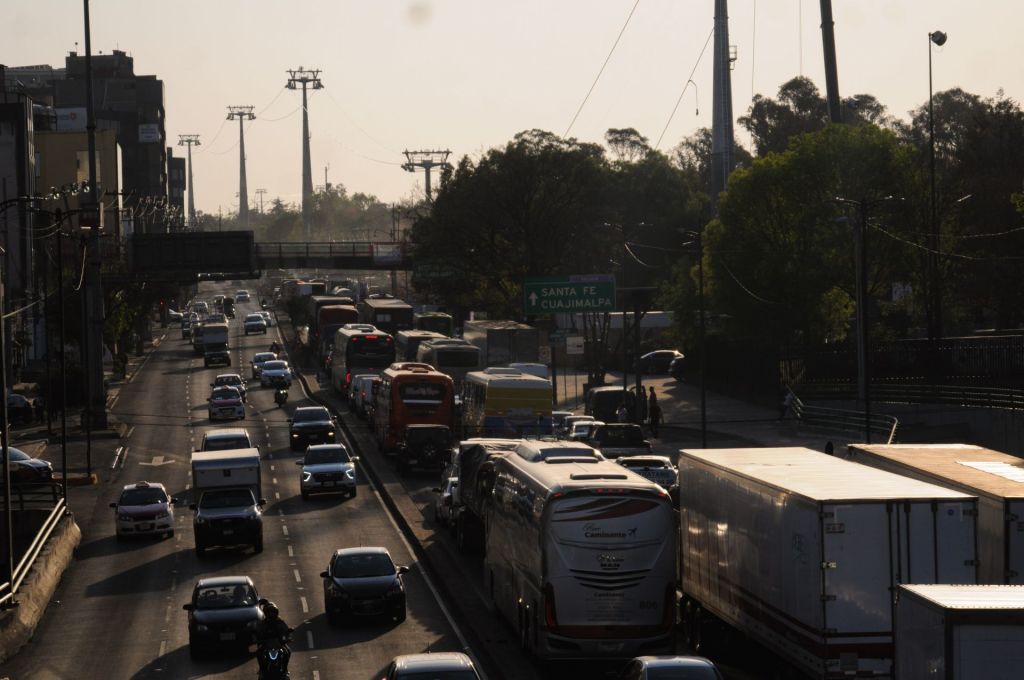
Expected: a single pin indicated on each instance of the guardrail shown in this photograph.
(48, 493)
(966, 396)
(846, 420)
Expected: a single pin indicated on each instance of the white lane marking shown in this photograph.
(273, 480)
(271, 468)
(430, 584)
(277, 495)
(305, 605)
(298, 577)
(284, 529)
(130, 432)
(163, 648)
(309, 639)
(316, 675)
(291, 553)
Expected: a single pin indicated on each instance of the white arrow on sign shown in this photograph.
(533, 299)
(158, 461)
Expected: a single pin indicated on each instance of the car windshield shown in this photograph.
(225, 393)
(644, 463)
(228, 498)
(254, 317)
(621, 435)
(143, 496)
(462, 674)
(275, 366)
(330, 455)
(225, 443)
(226, 597)
(228, 380)
(304, 415)
(366, 565)
(16, 454)
(706, 673)
(264, 356)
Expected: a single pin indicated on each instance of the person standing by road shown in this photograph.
(654, 412)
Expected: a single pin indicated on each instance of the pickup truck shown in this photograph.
(228, 508)
(619, 439)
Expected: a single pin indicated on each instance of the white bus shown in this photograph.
(452, 356)
(580, 554)
(502, 402)
(408, 342)
(359, 348)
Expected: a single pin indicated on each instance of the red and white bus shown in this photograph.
(411, 393)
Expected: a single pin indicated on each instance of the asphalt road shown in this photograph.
(118, 612)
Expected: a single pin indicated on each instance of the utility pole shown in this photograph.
(828, 41)
(242, 113)
(721, 109)
(426, 160)
(190, 141)
(305, 78)
(260, 193)
(89, 217)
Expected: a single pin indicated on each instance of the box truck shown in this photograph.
(226, 488)
(502, 342)
(995, 478)
(802, 552)
(951, 632)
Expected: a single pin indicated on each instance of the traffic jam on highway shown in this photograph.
(455, 524)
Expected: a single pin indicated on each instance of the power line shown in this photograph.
(687, 84)
(358, 127)
(606, 60)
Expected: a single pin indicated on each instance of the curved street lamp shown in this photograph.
(935, 304)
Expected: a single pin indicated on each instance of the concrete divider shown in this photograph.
(18, 624)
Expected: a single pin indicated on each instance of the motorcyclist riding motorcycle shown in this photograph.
(273, 634)
(274, 347)
(281, 393)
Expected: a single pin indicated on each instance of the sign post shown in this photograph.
(568, 295)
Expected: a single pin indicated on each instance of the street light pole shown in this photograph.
(935, 294)
(862, 319)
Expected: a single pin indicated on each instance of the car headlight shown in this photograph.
(306, 476)
(396, 589)
(295, 435)
(124, 517)
(338, 591)
(350, 473)
(252, 625)
(200, 520)
(163, 515)
(330, 433)
(202, 629)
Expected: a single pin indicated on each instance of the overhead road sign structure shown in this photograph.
(580, 293)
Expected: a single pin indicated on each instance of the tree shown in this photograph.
(627, 144)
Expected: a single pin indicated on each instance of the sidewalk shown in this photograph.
(730, 422)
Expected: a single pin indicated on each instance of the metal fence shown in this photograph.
(35, 496)
(845, 420)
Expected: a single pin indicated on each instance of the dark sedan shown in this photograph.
(311, 425)
(27, 470)
(224, 612)
(363, 582)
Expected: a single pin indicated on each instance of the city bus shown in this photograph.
(411, 394)
(439, 322)
(407, 342)
(503, 402)
(453, 356)
(359, 348)
(580, 554)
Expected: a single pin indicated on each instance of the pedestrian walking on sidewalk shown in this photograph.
(641, 405)
(787, 402)
(654, 412)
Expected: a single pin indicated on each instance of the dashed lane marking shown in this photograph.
(163, 648)
(277, 495)
(291, 553)
(305, 605)
(284, 529)
(298, 577)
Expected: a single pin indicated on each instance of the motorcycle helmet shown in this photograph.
(270, 611)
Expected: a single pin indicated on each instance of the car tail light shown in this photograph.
(550, 615)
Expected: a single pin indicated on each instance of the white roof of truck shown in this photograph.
(971, 596)
(819, 476)
(216, 459)
(981, 470)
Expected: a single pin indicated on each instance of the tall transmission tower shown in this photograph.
(425, 160)
(305, 78)
(260, 193)
(721, 113)
(242, 113)
(190, 141)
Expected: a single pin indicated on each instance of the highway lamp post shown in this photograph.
(698, 241)
(935, 294)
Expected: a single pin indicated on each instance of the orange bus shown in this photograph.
(411, 393)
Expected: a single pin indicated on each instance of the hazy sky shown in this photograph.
(467, 75)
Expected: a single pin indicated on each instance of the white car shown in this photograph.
(231, 379)
(443, 501)
(327, 468)
(658, 469)
(242, 296)
(581, 429)
(255, 323)
(258, 361)
(269, 318)
(275, 370)
(225, 403)
(567, 422)
(144, 509)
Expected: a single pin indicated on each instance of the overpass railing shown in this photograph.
(845, 420)
(33, 496)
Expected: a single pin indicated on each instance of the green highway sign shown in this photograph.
(580, 293)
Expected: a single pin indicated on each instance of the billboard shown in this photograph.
(193, 253)
(149, 133)
(71, 119)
